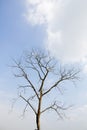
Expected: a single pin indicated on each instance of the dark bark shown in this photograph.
(39, 111)
(38, 121)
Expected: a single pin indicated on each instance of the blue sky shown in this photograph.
(58, 26)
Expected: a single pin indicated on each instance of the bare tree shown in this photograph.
(42, 75)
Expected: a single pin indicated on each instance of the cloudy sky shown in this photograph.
(58, 26)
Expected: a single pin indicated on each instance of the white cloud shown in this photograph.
(39, 11)
(66, 26)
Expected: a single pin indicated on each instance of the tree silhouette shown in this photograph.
(43, 76)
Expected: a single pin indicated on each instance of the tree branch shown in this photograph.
(55, 85)
(27, 101)
(24, 110)
(64, 76)
(33, 67)
(56, 108)
(24, 74)
(43, 80)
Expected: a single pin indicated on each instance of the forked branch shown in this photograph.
(55, 107)
(24, 74)
(27, 101)
(66, 75)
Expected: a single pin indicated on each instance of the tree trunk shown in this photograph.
(38, 121)
(39, 112)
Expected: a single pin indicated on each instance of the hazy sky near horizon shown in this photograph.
(58, 26)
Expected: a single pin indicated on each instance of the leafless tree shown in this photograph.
(43, 76)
